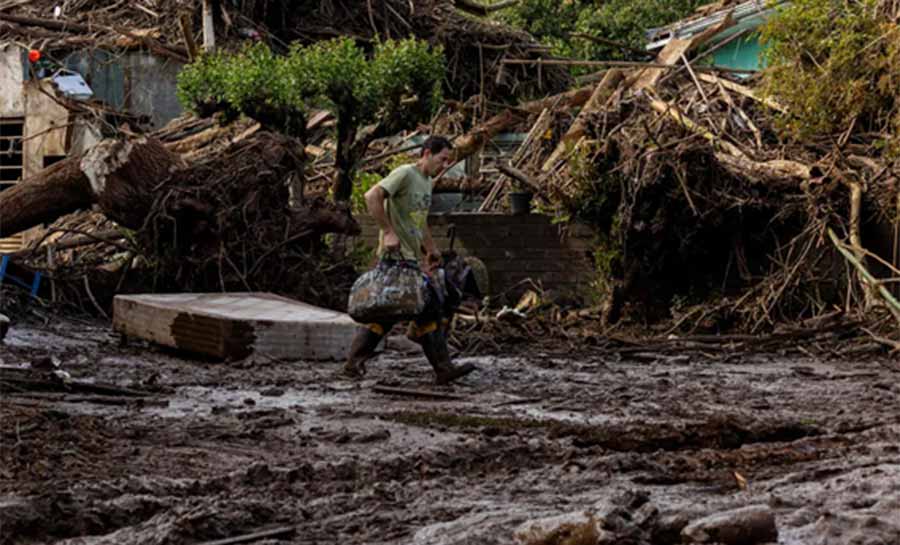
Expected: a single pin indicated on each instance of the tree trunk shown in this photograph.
(49, 194)
(123, 175)
(120, 176)
(343, 161)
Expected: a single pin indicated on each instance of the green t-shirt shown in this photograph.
(407, 204)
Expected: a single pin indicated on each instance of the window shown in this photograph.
(51, 159)
(11, 169)
(10, 151)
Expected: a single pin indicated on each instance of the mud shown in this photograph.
(223, 449)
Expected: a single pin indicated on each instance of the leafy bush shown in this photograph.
(201, 84)
(334, 74)
(833, 63)
(624, 21)
(407, 69)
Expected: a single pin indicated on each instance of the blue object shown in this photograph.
(33, 287)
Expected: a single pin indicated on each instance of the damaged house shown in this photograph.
(58, 99)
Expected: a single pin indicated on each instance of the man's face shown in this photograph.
(435, 163)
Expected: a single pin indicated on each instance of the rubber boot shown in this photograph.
(435, 346)
(361, 350)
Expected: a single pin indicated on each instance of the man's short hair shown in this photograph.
(436, 144)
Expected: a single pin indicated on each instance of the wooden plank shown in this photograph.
(209, 31)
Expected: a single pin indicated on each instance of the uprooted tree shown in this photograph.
(214, 221)
(717, 205)
(371, 98)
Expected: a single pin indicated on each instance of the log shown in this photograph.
(45, 196)
(570, 99)
(475, 139)
(123, 175)
(520, 177)
(777, 172)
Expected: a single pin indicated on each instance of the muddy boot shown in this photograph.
(435, 346)
(361, 350)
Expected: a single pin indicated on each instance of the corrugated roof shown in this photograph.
(744, 12)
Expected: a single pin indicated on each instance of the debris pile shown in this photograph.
(221, 220)
(474, 47)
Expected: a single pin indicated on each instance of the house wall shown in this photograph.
(12, 103)
(136, 81)
(152, 84)
(46, 126)
(514, 248)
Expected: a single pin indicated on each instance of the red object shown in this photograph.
(34, 55)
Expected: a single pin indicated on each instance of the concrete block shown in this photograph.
(235, 325)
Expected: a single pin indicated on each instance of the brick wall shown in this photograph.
(514, 248)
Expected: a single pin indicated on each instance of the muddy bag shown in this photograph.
(392, 291)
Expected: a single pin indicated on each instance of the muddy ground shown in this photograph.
(220, 450)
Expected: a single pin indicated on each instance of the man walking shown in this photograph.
(399, 204)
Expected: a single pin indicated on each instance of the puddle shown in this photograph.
(201, 400)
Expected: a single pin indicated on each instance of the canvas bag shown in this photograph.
(393, 291)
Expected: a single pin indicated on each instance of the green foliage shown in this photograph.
(347, 83)
(545, 19)
(624, 21)
(833, 63)
(333, 69)
(253, 81)
(362, 182)
(402, 81)
(201, 84)
(407, 69)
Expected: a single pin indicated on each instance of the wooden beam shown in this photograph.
(209, 30)
(187, 29)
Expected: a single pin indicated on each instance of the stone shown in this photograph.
(577, 527)
(750, 525)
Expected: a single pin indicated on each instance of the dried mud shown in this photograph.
(221, 450)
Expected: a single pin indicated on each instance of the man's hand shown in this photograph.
(432, 262)
(391, 241)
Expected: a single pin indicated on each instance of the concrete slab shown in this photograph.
(235, 325)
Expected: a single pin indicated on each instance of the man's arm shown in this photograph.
(375, 204)
(432, 257)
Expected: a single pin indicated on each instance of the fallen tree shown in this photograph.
(221, 221)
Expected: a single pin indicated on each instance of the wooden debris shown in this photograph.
(282, 531)
(390, 390)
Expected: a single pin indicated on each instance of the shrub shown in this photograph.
(399, 86)
(833, 63)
